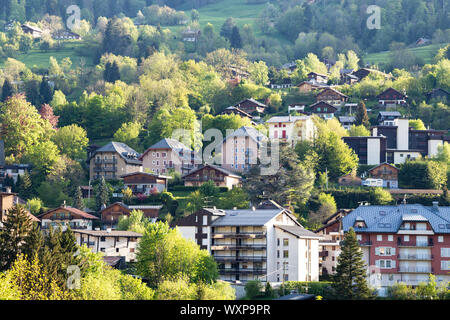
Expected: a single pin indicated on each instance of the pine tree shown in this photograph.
(107, 72)
(34, 242)
(78, 199)
(350, 282)
(16, 229)
(361, 117)
(7, 90)
(115, 73)
(236, 40)
(102, 194)
(45, 92)
(25, 186)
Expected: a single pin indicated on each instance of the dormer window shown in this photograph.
(360, 224)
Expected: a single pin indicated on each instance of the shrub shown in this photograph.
(253, 289)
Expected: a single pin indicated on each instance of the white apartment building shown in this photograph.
(291, 128)
(112, 243)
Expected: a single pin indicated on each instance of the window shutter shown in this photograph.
(377, 263)
(393, 264)
(393, 251)
(377, 251)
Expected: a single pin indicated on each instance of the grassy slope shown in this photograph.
(39, 58)
(427, 53)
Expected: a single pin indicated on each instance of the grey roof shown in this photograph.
(251, 100)
(389, 218)
(172, 144)
(277, 119)
(346, 119)
(390, 113)
(298, 231)
(246, 217)
(245, 131)
(215, 212)
(125, 152)
(112, 233)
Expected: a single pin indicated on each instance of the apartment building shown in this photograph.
(112, 161)
(112, 243)
(240, 150)
(370, 150)
(169, 154)
(403, 243)
(265, 244)
(8, 200)
(291, 129)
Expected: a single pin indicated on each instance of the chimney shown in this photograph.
(435, 204)
(8, 189)
(64, 204)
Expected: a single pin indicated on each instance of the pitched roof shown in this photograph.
(168, 143)
(251, 100)
(112, 233)
(389, 218)
(289, 118)
(246, 217)
(334, 90)
(146, 174)
(384, 163)
(125, 152)
(75, 211)
(298, 231)
(226, 172)
(390, 113)
(250, 132)
(323, 103)
(347, 119)
(391, 90)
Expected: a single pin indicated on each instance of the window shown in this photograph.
(441, 239)
(445, 252)
(278, 253)
(205, 220)
(406, 238)
(102, 239)
(445, 265)
(285, 254)
(358, 237)
(285, 242)
(390, 237)
(379, 237)
(278, 241)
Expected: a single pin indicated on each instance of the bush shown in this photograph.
(253, 289)
(318, 288)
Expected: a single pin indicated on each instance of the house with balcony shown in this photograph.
(331, 96)
(145, 183)
(264, 244)
(386, 118)
(65, 216)
(317, 78)
(387, 172)
(330, 244)
(391, 98)
(241, 149)
(403, 243)
(112, 243)
(169, 154)
(208, 172)
(251, 106)
(291, 129)
(323, 109)
(112, 161)
(111, 214)
(8, 200)
(308, 86)
(237, 111)
(347, 121)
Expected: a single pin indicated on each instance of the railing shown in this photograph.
(205, 179)
(240, 258)
(255, 234)
(418, 245)
(111, 161)
(323, 254)
(110, 169)
(89, 243)
(416, 269)
(238, 246)
(415, 257)
(241, 270)
(365, 243)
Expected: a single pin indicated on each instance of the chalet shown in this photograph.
(307, 86)
(316, 78)
(346, 76)
(438, 94)
(296, 107)
(234, 110)
(391, 97)
(65, 216)
(386, 118)
(387, 172)
(286, 83)
(347, 121)
(191, 35)
(112, 243)
(209, 172)
(364, 72)
(350, 179)
(169, 154)
(34, 31)
(145, 183)
(112, 160)
(422, 42)
(251, 106)
(290, 67)
(331, 96)
(323, 110)
(65, 35)
(111, 214)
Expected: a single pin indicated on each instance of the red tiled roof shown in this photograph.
(75, 211)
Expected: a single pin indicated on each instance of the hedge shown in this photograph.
(318, 288)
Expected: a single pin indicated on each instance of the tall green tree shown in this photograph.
(16, 229)
(361, 117)
(236, 40)
(78, 199)
(46, 92)
(7, 90)
(102, 197)
(350, 281)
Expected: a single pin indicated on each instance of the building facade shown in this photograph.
(403, 243)
(370, 150)
(145, 183)
(387, 172)
(209, 172)
(111, 214)
(64, 217)
(291, 129)
(323, 109)
(331, 96)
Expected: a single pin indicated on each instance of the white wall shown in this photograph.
(373, 151)
(402, 134)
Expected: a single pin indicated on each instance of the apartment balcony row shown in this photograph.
(72, 226)
(238, 247)
(103, 169)
(240, 258)
(323, 254)
(415, 245)
(415, 257)
(242, 271)
(251, 234)
(105, 161)
(88, 243)
(415, 269)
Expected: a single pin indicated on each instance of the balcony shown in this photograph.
(110, 161)
(238, 247)
(217, 179)
(415, 269)
(415, 257)
(240, 258)
(110, 169)
(253, 235)
(242, 271)
(365, 243)
(88, 243)
(323, 254)
(415, 245)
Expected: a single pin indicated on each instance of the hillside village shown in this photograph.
(250, 179)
